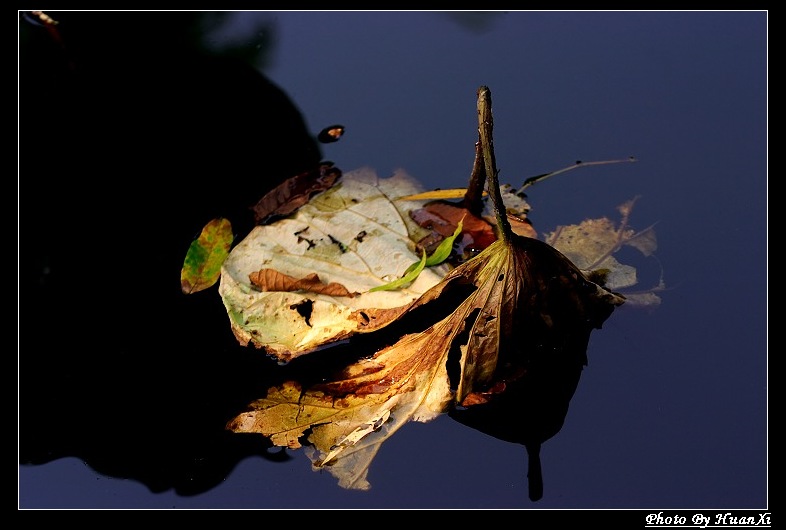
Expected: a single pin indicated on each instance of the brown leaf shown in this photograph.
(521, 226)
(272, 280)
(529, 299)
(294, 193)
(442, 218)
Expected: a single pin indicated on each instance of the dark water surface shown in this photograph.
(130, 141)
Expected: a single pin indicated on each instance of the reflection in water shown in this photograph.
(343, 430)
(529, 412)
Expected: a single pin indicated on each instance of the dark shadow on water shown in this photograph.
(131, 139)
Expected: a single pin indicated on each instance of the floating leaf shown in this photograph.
(294, 192)
(446, 247)
(272, 280)
(452, 193)
(522, 308)
(442, 218)
(353, 234)
(205, 256)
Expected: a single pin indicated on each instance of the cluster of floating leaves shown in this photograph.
(337, 256)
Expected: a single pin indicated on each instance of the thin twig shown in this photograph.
(534, 180)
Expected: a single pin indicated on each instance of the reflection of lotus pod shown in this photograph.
(531, 409)
(541, 353)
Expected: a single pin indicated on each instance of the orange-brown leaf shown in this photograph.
(442, 218)
(273, 280)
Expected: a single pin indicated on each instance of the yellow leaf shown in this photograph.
(453, 193)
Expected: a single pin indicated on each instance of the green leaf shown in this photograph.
(413, 271)
(410, 276)
(202, 265)
(446, 247)
(440, 254)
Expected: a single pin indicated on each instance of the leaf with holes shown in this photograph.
(356, 235)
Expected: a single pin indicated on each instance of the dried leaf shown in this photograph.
(353, 234)
(590, 243)
(205, 256)
(523, 290)
(591, 246)
(452, 193)
(294, 193)
(441, 219)
(347, 419)
(272, 280)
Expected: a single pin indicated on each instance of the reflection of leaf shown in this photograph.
(283, 419)
(202, 264)
(591, 245)
(353, 234)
